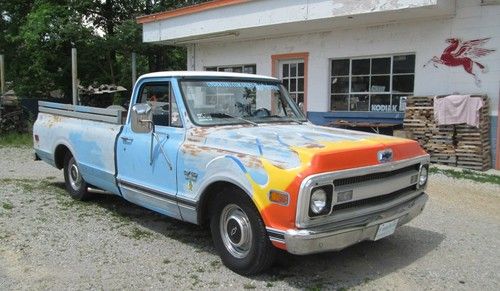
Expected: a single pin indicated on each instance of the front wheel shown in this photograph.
(75, 184)
(239, 234)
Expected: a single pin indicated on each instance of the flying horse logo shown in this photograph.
(463, 54)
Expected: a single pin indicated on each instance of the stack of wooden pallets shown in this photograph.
(453, 145)
(441, 145)
(419, 117)
(473, 143)
(420, 125)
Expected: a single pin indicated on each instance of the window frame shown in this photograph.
(171, 97)
(391, 93)
(296, 77)
(242, 66)
(300, 115)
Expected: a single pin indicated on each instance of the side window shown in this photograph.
(159, 96)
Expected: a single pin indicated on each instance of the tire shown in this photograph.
(239, 234)
(75, 184)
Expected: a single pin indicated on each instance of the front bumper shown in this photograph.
(334, 237)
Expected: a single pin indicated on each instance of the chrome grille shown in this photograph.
(375, 200)
(374, 176)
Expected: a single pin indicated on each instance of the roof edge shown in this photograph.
(187, 10)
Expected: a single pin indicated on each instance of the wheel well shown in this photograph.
(59, 155)
(209, 196)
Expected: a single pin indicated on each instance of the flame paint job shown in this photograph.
(275, 156)
(279, 157)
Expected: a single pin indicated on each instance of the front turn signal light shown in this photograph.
(279, 197)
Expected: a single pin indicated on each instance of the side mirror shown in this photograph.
(142, 118)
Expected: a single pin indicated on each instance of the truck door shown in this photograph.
(148, 177)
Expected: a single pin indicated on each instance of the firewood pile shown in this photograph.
(453, 145)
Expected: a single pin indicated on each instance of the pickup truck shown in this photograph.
(235, 153)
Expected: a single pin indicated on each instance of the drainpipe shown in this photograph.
(497, 149)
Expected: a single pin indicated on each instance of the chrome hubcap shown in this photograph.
(236, 231)
(75, 179)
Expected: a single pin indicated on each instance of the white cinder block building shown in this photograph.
(346, 59)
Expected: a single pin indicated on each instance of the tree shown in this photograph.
(37, 37)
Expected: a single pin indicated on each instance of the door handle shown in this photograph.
(126, 139)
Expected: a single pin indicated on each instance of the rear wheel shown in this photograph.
(75, 184)
(239, 234)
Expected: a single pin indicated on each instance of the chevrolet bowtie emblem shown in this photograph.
(384, 156)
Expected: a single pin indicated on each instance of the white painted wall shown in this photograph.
(426, 38)
(247, 17)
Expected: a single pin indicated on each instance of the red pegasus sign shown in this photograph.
(463, 53)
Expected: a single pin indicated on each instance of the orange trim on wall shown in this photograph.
(187, 10)
(292, 56)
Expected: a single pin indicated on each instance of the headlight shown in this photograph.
(422, 176)
(321, 200)
(318, 201)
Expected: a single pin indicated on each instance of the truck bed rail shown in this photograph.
(115, 116)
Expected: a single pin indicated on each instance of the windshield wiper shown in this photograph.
(223, 114)
(281, 119)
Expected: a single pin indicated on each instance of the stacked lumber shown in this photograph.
(453, 145)
(473, 144)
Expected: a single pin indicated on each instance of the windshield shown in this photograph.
(222, 102)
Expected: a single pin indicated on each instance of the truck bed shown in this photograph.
(89, 133)
(115, 116)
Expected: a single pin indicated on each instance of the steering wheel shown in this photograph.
(262, 112)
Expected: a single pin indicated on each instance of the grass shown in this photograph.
(7, 206)
(138, 234)
(467, 174)
(15, 139)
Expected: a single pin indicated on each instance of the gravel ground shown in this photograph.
(48, 241)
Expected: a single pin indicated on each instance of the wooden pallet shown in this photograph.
(453, 145)
(473, 143)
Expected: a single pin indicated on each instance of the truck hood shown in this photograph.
(289, 146)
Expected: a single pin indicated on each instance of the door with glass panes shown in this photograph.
(292, 73)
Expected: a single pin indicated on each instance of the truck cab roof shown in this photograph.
(205, 74)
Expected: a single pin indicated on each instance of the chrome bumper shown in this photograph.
(333, 237)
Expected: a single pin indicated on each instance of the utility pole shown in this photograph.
(134, 69)
(74, 77)
(2, 75)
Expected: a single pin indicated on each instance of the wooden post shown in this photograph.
(74, 78)
(134, 69)
(2, 75)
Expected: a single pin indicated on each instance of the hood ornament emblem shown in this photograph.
(385, 156)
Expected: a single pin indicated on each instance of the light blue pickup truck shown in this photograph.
(234, 152)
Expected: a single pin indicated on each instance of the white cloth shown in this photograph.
(457, 109)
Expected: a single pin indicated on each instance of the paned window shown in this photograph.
(292, 74)
(248, 69)
(378, 84)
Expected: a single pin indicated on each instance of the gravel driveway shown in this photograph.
(48, 241)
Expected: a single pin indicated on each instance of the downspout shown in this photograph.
(497, 148)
